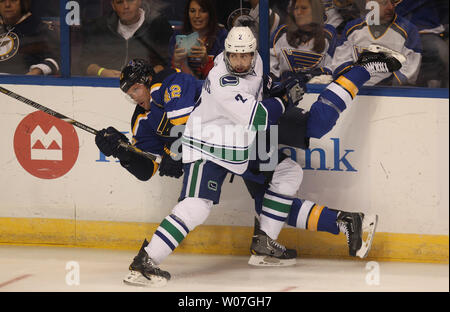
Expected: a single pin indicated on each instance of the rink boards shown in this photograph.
(387, 155)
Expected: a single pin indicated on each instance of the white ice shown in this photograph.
(37, 268)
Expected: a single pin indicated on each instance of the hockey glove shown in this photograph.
(291, 89)
(108, 142)
(169, 166)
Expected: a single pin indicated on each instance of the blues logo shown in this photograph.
(9, 45)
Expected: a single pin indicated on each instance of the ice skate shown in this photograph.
(380, 61)
(268, 252)
(144, 272)
(359, 230)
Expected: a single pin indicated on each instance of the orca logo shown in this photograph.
(229, 80)
(46, 147)
(212, 185)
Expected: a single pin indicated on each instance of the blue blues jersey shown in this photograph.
(172, 100)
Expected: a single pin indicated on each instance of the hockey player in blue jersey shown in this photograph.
(295, 128)
(163, 100)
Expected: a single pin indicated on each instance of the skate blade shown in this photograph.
(135, 278)
(265, 261)
(369, 226)
(377, 49)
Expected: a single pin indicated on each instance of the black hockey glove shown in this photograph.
(108, 142)
(170, 167)
(290, 90)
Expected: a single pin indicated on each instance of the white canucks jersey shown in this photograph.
(221, 129)
(400, 36)
(284, 57)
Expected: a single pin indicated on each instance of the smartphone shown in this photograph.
(187, 41)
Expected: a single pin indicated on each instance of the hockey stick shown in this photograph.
(51, 112)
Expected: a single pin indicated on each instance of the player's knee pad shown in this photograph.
(193, 211)
(287, 177)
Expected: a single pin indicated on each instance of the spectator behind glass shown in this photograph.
(304, 43)
(199, 16)
(26, 45)
(251, 19)
(340, 12)
(129, 32)
(226, 10)
(393, 32)
(425, 14)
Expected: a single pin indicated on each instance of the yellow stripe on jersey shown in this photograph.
(314, 216)
(348, 85)
(155, 86)
(136, 123)
(155, 167)
(395, 75)
(179, 121)
(350, 30)
(275, 38)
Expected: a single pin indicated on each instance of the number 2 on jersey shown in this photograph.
(240, 98)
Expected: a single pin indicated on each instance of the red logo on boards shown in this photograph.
(45, 146)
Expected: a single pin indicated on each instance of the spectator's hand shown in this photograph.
(200, 51)
(111, 73)
(179, 57)
(35, 72)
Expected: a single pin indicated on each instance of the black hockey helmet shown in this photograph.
(136, 71)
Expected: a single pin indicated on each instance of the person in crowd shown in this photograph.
(250, 18)
(340, 12)
(425, 14)
(305, 43)
(381, 27)
(27, 45)
(226, 10)
(128, 32)
(199, 17)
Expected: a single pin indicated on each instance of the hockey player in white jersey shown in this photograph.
(209, 158)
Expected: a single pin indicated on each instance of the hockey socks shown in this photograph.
(169, 234)
(310, 216)
(275, 210)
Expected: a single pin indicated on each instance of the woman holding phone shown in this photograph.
(200, 17)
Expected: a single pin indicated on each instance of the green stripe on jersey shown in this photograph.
(228, 154)
(260, 118)
(194, 178)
